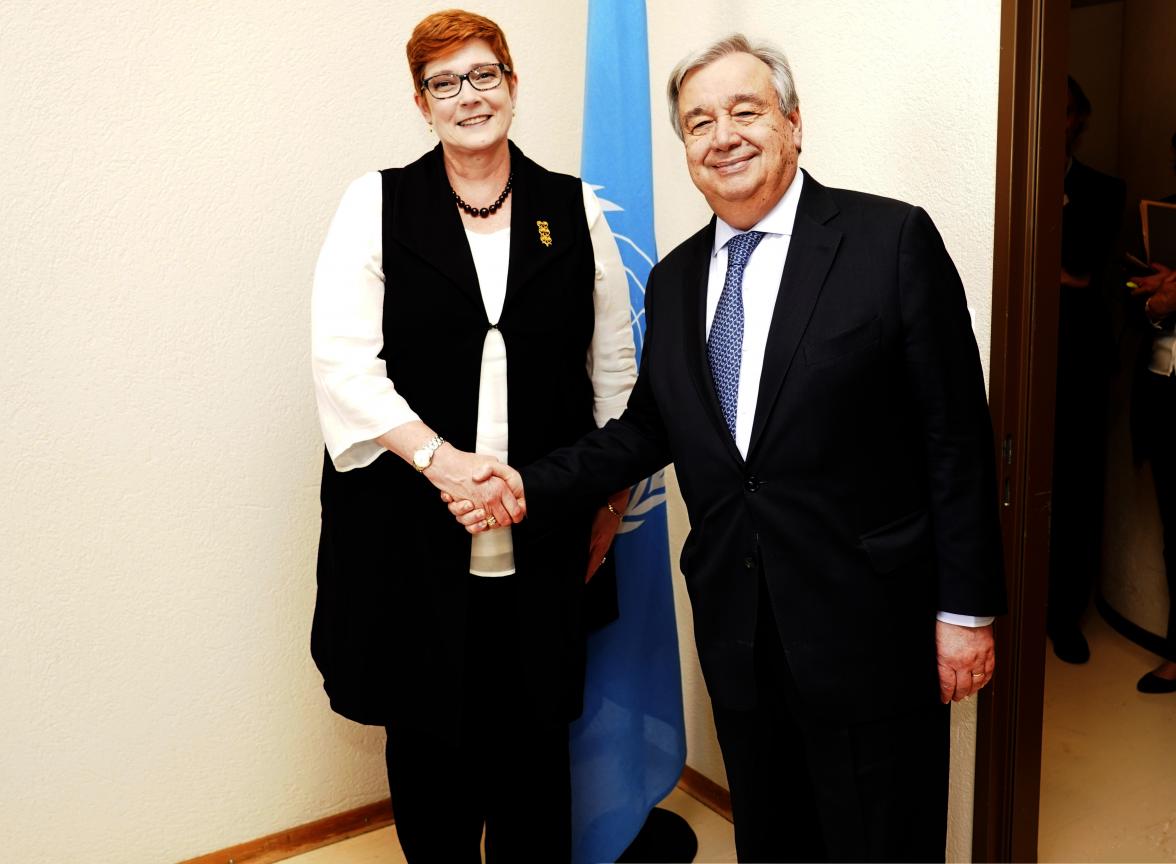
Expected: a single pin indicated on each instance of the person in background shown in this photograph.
(468, 306)
(1153, 421)
(1091, 216)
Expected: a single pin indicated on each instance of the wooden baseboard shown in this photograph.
(332, 829)
(706, 791)
(303, 838)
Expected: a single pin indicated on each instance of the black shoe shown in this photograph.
(1153, 683)
(1070, 645)
(665, 836)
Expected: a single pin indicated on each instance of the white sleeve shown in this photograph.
(356, 400)
(965, 620)
(612, 365)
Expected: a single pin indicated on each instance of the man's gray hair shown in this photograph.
(736, 43)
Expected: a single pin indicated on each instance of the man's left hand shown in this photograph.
(966, 659)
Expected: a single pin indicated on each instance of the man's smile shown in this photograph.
(733, 166)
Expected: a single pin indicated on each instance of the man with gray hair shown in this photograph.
(811, 371)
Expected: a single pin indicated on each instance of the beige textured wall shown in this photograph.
(168, 173)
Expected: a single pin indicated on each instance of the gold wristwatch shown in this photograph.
(423, 458)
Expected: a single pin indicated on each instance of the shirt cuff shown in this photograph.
(965, 620)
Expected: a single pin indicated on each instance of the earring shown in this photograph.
(430, 128)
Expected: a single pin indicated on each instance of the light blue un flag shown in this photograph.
(629, 746)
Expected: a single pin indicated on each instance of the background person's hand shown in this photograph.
(1072, 281)
(1152, 282)
(1159, 288)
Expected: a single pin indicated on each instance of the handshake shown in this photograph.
(485, 494)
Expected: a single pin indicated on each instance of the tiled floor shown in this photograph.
(1108, 767)
(716, 839)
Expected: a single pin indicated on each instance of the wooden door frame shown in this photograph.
(1022, 369)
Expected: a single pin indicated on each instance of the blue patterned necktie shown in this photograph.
(724, 346)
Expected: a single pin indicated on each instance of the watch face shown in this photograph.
(422, 458)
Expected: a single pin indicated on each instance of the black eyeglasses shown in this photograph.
(448, 84)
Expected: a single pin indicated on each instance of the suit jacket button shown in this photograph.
(752, 483)
(749, 563)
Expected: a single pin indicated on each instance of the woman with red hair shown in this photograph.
(468, 305)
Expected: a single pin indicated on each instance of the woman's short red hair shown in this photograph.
(442, 32)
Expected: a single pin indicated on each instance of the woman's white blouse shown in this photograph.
(492, 552)
(357, 402)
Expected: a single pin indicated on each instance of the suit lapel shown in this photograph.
(810, 254)
(426, 222)
(695, 280)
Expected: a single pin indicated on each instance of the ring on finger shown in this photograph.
(491, 521)
(977, 674)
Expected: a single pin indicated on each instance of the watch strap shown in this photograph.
(431, 446)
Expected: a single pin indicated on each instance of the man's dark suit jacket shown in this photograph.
(867, 498)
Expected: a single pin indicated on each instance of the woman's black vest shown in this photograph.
(393, 565)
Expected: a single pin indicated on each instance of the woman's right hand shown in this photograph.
(470, 477)
(459, 474)
(469, 514)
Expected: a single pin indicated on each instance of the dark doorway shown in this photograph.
(1027, 258)
(1026, 262)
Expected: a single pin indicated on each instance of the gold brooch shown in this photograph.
(544, 233)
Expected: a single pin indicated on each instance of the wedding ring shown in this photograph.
(491, 521)
(977, 674)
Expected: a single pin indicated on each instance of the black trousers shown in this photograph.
(803, 789)
(1159, 417)
(1079, 463)
(503, 773)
